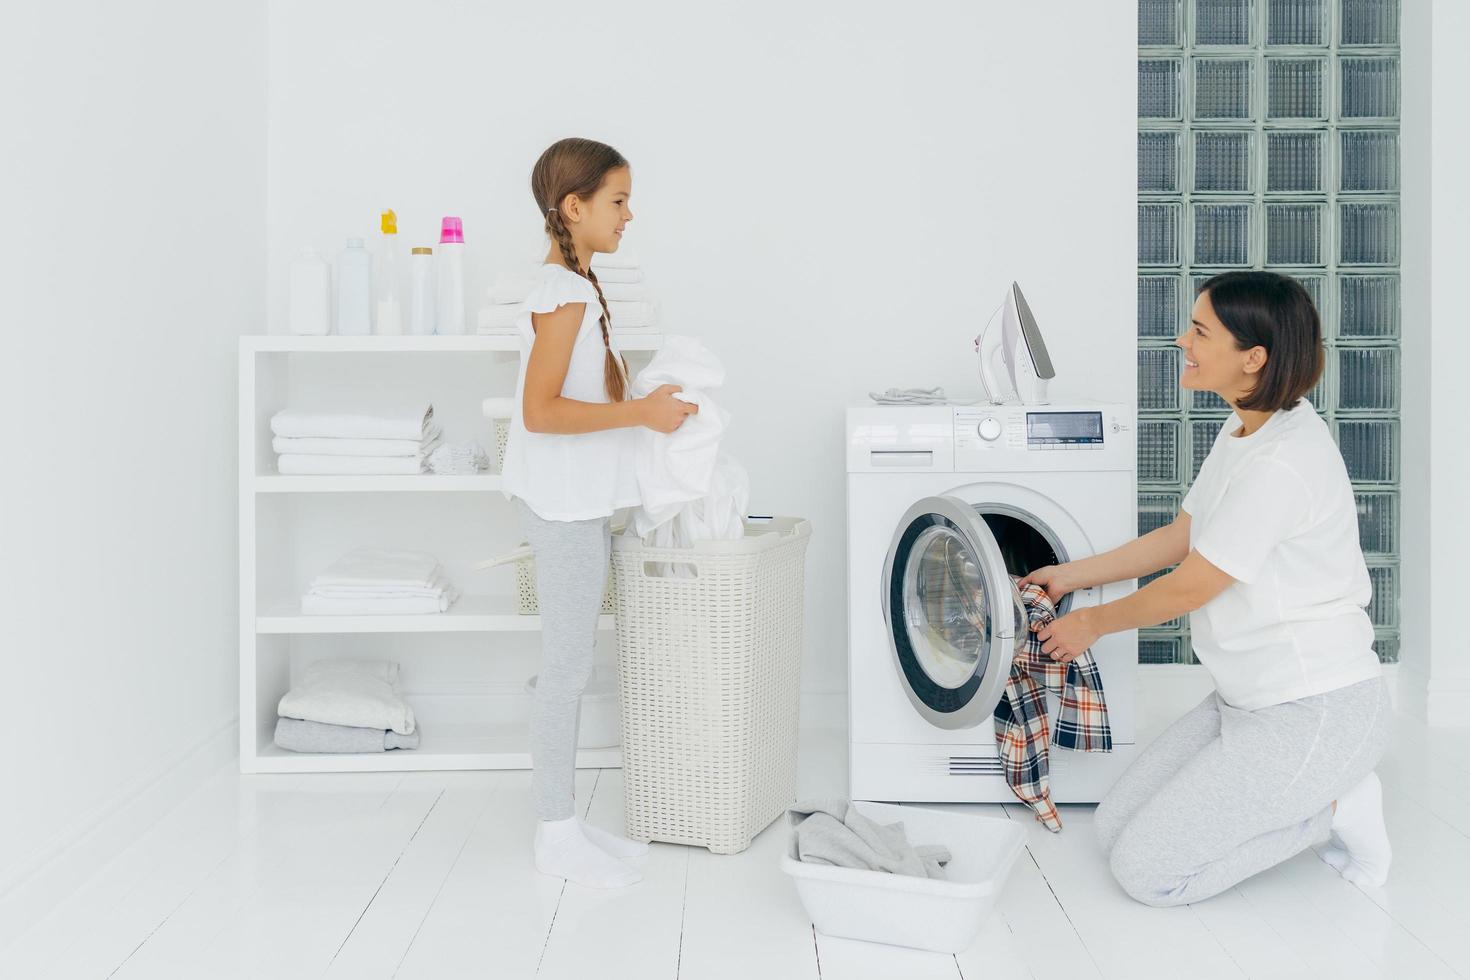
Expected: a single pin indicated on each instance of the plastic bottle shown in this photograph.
(449, 266)
(355, 290)
(421, 302)
(388, 318)
(310, 294)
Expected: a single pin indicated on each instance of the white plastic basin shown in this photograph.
(903, 910)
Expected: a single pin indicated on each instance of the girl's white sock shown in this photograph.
(562, 850)
(1358, 826)
(619, 847)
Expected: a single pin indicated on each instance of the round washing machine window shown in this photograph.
(952, 614)
(947, 613)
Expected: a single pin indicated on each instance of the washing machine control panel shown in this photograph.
(990, 431)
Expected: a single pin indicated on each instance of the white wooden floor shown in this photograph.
(429, 875)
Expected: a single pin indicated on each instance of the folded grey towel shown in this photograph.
(834, 832)
(318, 736)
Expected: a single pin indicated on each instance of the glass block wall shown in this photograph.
(1268, 138)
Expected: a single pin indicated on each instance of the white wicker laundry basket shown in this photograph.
(709, 673)
(527, 603)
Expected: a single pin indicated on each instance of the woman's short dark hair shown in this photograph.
(1266, 309)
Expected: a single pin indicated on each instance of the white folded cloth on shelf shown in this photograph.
(688, 487)
(605, 275)
(326, 446)
(369, 581)
(459, 459)
(511, 290)
(624, 292)
(498, 408)
(498, 319)
(632, 315)
(361, 693)
(317, 464)
(379, 568)
(623, 258)
(412, 423)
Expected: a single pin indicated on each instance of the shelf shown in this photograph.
(470, 614)
(480, 746)
(423, 482)
(460, 343)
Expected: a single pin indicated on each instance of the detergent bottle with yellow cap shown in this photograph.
(389, 311)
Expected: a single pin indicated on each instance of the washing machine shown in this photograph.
(944, 504)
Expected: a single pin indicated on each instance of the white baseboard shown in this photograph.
(1439, 702)
(72, 856)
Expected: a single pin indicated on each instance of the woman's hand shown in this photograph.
(1067, 638)
(662, 412)
(1057, 580)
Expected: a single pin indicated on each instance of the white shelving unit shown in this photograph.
(463, 670)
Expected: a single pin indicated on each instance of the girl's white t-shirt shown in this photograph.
(1275, 511)
(561, 476)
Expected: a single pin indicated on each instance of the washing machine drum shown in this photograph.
(953, 615)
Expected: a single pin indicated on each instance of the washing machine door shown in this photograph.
(954, 617)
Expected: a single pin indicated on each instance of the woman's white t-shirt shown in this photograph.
(1275, 511)
(562, 476)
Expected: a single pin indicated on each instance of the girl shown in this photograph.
(1282, 752)
(569, 466)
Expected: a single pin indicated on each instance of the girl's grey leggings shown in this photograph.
(571, 573)
(1225, 793)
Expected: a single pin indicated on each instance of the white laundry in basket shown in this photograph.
(690, 491)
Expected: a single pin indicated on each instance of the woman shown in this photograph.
(1281, 753)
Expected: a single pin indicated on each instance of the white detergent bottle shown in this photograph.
(449, 267)
(355, 290)
(421, 300)
(311, 294)
(388, 315)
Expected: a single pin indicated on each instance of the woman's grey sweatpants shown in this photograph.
(1225, 793)
(571, 574)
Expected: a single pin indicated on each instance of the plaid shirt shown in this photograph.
(1020, 717)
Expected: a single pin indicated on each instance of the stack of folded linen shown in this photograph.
(503, 301)
(630, 307)
(380, 581)
(336, 442)
(346, 706)
(459, 459)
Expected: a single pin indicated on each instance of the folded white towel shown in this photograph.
(409, 424)
(633, 314)
(624, 292)
(498, 319)
(617, 275)
(459, 459)
(498, 408)
(623, 258)
(510, 291)
(372, 566)
(324, 446)
(309, 464)
(363, 693)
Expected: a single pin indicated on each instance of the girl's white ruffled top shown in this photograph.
(568, 477)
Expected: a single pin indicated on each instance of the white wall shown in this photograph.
(134, 166)
(832, 196)
(1436, 153)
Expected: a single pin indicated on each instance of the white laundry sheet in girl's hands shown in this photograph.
(689, 489)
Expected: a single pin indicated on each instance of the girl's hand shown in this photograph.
(1057, 580)
(662, 412)
(1066, 639)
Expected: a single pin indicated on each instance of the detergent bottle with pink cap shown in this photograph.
(449, 265)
